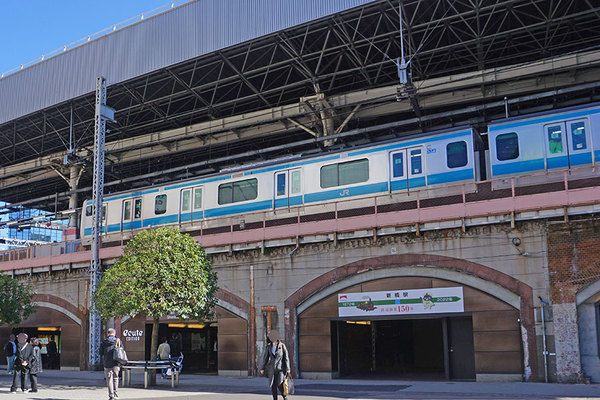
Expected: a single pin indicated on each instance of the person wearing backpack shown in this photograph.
(22, 364)
(10, 350)
(111, 367)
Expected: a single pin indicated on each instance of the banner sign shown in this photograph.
(401, 302)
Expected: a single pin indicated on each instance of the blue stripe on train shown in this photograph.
(343, 192)
(518, 166)
(340, 193)
(454, 176)
(242, 208)
(538, 164)
(293, 201)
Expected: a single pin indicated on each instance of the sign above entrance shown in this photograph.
(401, 302)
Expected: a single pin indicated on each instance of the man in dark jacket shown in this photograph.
(10, 350)
(22, 362)
(111, 367)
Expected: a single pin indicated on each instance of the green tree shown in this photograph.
(161, 271)
(15, 300)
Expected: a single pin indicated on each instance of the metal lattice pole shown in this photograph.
(102, 114)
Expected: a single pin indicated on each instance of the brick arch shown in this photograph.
(60, 305)
(522, 290)
(233, 303)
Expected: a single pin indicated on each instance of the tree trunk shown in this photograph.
(153, 349)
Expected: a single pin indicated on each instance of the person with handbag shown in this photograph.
(22, 362)
(36, 364)
(111, 366)
(276, 364)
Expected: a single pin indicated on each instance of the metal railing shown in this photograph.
(415, 206)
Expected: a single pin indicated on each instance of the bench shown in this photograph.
(149, 365)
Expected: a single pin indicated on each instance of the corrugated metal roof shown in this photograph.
(190, 30)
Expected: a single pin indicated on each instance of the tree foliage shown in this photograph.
(161, 271)
(15, 300)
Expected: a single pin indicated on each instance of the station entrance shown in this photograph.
(424, 348)
(380, 328)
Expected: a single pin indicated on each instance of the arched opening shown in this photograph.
(497, 316)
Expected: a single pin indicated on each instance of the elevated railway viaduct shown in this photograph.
(311, 78)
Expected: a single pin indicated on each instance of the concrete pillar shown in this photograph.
(566, 338)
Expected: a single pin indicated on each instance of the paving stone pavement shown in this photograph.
(87, 385)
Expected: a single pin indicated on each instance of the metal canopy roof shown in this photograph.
(265, 98)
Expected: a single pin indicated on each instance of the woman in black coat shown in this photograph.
(276, 363)
(36, 364)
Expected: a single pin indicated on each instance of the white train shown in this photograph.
(562, 139)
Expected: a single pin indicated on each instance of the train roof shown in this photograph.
(500, 123)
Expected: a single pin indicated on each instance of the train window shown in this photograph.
(416, 163)
(456, 154)
(160, 204)
(578, 135)
(398, 165)
(345, 173)
(296, 182)
(137, 209)
(185, 200)
(197, 198)
(127, 210)
(280, 184)
(507, 146)
(89, 210)
(238, 191)
(555, 139)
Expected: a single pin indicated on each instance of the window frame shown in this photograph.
(516, 136)
(233, 191)
(466, 154)
(338, 176)
(156, 199)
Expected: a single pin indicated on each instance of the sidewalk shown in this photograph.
(90, 386)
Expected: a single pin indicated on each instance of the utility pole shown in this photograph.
(102, 114)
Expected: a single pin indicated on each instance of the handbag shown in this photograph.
(288, 385)
(119, 355)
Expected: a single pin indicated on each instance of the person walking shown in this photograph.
(36, 364)
(111, 367)
(10, 350)
(22, 363)
(164, 353)
(276, 363)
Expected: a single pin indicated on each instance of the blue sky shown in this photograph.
(31, 28)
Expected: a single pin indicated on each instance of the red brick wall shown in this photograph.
(573, 258)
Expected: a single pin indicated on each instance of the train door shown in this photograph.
(406, 169)
(126, 215)
(185, 205)
(567, 144)
(197, 207)
(136, 223)
(288, 188)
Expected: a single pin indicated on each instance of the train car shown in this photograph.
(545, 143)
(434, 162)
